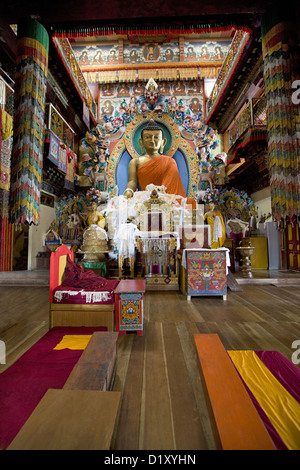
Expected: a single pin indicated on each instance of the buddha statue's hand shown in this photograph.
(128, 193)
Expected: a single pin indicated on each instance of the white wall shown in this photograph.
(36, 232)
(262, 201)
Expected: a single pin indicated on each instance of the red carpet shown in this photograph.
(24, 383)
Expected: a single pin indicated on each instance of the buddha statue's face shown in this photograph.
(152, 141)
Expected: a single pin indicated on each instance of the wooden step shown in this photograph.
(234, 419)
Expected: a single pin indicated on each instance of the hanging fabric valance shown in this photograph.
(167, 74)
(189, 73)
(130, 75)
(136, 30)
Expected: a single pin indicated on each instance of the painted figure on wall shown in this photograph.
(169, 55)
(218, 53)
(151, 52)
(83, 59)
(107, 108)
(204, 53)
(98, 58)
(190, 55)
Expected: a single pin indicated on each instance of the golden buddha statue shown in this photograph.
(232, 211)
(153, 167)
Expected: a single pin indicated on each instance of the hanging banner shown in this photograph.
(30, 92)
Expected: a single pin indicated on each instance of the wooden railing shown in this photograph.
(67, 55)
(232, 58)
(253, 113)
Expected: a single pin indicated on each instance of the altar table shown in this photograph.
(129, 306)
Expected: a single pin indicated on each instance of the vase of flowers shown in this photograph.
(208, 196)
(93, 195)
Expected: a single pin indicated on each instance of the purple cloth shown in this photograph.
(284, 370)
(77, 276)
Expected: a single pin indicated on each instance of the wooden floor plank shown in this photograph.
(158, 426)
(130, 411)
(186, 421)
(70, 420)
(186, 331)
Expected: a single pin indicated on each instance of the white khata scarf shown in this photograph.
(217, 231)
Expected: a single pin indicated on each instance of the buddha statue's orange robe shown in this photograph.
(161, 171)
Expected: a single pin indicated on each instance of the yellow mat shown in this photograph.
(73, 342)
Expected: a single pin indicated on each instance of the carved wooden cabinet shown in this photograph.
(205, 271)
(129, 306)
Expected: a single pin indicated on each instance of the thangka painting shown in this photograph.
(53, 149)
(5, 163)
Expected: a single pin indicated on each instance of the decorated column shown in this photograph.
(279, 43)
(30, 92)
(6, 229)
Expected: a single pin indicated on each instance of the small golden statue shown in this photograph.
(96, 217)
(95, 243)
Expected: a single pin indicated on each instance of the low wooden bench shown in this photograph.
(234, 419)
(70, 420)
(96, 366)
(83, 414)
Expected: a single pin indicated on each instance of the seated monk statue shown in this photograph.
(153, 167)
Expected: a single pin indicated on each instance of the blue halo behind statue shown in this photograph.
(122, 171)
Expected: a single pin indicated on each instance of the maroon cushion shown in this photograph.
(76, 276)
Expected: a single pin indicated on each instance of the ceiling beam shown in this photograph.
(57, 11)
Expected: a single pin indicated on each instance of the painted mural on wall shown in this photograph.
(158, 53)
(97, 55)
(205, 50)
(103, 55)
